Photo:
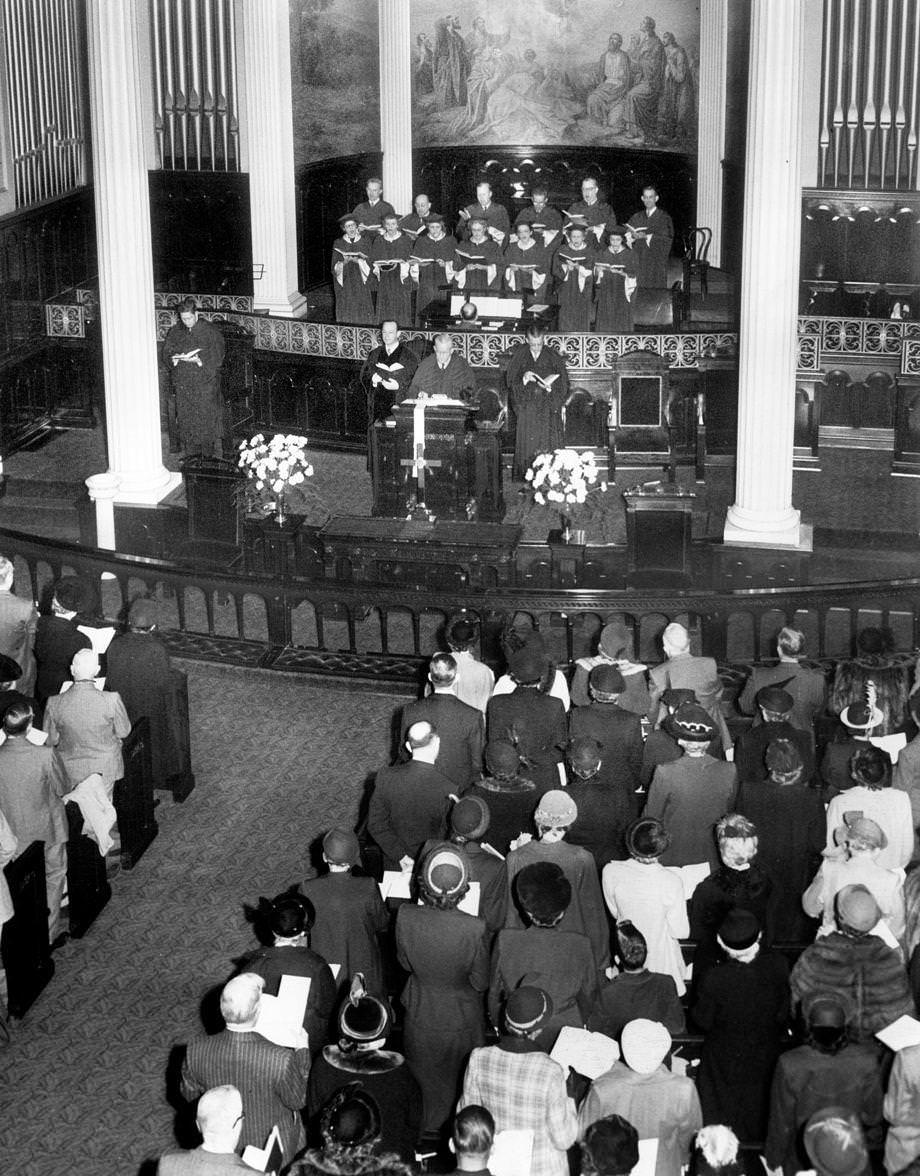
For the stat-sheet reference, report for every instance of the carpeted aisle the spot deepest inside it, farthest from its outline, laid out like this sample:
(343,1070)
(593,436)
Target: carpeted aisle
(277,761)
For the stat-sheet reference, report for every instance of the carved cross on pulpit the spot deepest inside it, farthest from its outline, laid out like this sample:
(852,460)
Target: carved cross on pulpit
(420,464)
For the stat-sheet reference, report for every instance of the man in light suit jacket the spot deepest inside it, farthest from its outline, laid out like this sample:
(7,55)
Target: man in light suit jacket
(220,1121)
(272,1079)
(461,727)
(807,686)
(88,725)
(18,619)
(683,670)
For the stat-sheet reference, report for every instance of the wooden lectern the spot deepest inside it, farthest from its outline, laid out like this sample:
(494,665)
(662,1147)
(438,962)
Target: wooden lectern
(659,518)
(455,471)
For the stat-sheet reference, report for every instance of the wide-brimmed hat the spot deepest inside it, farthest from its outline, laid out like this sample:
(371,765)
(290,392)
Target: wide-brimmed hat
(692,723)
(859,716)
(363,1017)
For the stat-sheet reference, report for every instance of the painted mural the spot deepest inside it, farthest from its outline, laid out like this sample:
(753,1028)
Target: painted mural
(335,78)
(544,72)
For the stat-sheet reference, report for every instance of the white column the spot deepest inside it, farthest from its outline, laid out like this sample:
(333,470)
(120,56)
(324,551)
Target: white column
(711,115)
(102,491)
(122,202)
(762,513)
(266,52)
(396,102)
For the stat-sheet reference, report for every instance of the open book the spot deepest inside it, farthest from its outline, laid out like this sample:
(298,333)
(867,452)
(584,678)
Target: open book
(268,1158)
(281,1017)
(591,1054)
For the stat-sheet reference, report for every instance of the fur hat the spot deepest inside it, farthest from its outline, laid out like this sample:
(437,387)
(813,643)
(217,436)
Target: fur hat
(584,752)
(739,929)
(502,759)
(526,665)
(73,594)
(543,891)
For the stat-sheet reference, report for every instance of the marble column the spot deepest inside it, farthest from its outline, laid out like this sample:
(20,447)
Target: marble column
(711,148)
(396,102)
(122,207)
(269,116)
(763,514)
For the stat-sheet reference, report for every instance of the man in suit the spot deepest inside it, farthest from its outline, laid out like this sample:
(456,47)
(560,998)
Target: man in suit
(272,1079)
(807,687)
(531,721)
(460,727)
(683,670)
(57,638)
(88,725)
(445,373)
(32,782)
(474,681)
(689,795)
(18,619)
(220,1121)
(410,801)
(618,731)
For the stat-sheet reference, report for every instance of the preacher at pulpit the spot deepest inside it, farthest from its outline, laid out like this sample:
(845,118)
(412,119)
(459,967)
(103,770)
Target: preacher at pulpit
(445,373)
(539,386)
(387,372)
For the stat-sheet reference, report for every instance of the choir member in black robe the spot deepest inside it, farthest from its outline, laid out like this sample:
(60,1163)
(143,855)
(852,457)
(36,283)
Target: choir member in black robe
(613,288)
(494,216)
(573,269)
(390,257)
(387,373)
(478,262)
(370,212)
(432,265)
(527,266)
(415,223)
(653,232)
(193,352)
(545,220)
(352,277)
(539,387)
(593,215)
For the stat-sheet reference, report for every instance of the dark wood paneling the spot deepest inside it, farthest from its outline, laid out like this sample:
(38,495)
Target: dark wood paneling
(449,176)
(202,238)
(44,250)
(326,191)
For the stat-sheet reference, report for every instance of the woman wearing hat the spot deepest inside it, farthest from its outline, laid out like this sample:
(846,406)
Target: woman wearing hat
(651,897)
(289,918)
(360,1055)
(510,794)
(615,270)
(554,816)
(57,638)
(350,1126)
(616,648)
(872,796)
(446,954)
(470,821)
(350,914)
(534,722)
(353,280)
(743,1008)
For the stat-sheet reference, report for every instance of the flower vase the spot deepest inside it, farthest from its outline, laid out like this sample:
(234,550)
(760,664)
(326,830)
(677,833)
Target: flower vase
(566,528)
(281,510)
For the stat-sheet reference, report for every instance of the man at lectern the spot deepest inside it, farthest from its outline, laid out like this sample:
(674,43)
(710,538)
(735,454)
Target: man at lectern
(539,385)
(387,372)
(445,373)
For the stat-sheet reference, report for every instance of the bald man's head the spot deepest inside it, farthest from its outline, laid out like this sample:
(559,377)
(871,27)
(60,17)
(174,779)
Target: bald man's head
(220,1118)
(85,665)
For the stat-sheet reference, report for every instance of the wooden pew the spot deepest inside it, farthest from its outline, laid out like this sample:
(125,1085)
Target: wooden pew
(24,945)
(133,796)
(87,887)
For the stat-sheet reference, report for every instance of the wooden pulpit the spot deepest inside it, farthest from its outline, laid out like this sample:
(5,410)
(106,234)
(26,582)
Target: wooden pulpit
(455,471)
(659,518)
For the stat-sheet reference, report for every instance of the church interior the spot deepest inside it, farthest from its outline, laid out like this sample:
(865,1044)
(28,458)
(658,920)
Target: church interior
(200,407)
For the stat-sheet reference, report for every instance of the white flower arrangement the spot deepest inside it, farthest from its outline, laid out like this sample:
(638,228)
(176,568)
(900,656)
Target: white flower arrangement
(273,469)
(564,477)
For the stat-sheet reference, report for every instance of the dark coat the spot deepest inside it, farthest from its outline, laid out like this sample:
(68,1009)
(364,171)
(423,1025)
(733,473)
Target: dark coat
(790,837)
(808,687)
(535,723)
(511,808)
(488,870)
(271,1079)
(637,994)
(604,815)
(750,890)
(751,747)
(619,732)
(559,962)
(274,962)
(743,1009)
(461,731)
(689,796)
(447,958)
(408,806)
(138,668)
(349,916)
(386,1077)
(56,642)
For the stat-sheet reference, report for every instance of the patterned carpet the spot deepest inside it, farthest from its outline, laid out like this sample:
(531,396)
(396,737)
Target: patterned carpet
(84,1085)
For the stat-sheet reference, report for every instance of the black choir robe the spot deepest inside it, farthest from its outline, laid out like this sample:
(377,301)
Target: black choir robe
(430,272)
(654,248)
(613,312)
(394,289)
(471,259)
(574,290)
(352,282)
(521,282)
(398,365)
(538,411)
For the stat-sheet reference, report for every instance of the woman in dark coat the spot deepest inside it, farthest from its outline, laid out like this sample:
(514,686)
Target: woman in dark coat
(790,822)
(446,955)
(743,1008)
(739,883)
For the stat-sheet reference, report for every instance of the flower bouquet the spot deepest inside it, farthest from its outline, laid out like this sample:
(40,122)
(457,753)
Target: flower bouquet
(276,483)
(570,482)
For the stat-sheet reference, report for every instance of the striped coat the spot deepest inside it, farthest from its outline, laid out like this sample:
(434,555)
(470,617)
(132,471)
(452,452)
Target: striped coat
(271,1079)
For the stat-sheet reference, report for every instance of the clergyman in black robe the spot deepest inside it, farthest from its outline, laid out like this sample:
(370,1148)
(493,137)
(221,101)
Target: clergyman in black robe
(539,387)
